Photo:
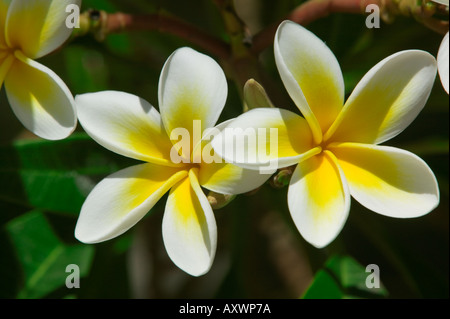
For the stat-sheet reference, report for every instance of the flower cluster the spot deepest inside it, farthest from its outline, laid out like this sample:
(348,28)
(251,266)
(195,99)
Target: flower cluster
(334,145)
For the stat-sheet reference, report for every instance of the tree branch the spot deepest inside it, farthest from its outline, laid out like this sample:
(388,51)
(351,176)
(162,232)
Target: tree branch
(313,10)
(101,24)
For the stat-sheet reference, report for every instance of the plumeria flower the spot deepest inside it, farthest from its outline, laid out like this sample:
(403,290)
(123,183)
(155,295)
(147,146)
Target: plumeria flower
(39,98)
(336,145)
(192,89)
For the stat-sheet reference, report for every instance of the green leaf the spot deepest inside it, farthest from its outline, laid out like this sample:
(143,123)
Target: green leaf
(342,277)
(55,176)
(99,5)
(43,256)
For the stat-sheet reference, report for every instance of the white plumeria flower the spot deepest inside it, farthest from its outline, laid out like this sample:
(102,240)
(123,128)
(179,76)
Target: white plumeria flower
(335,145)
(38,97)
(442,59)
(192,88)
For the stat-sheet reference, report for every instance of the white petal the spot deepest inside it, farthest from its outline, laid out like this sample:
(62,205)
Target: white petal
(189,227)
(387,99)
(192,87)
(38,27)
(227,178)
(40,99)
(442,60)
(319,199)
(125,124)
(444,2)
(311,74)
(120,200)
(388,180)
(221,177)
(263,139)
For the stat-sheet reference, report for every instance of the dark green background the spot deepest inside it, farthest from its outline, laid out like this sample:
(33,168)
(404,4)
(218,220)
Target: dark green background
(260,253)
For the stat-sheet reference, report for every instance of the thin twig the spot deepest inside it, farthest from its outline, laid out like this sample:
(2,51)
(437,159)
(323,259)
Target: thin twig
(119,21)
(305,14)
(107,23)
(313,10)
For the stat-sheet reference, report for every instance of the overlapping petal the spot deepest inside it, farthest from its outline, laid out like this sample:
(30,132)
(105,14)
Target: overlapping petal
(319,199)
(125,124)
(37,27)
(225,178)
(189,227)
(219,176)
(40,99)
(442,60)
(120,200)
(264,137)
(388,180)
(311,75)
(192,88)
(387,99)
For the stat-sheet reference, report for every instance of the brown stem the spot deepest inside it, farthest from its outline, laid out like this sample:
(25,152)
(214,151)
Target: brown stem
(120,22)
(436,25)
(313,10)
(308,12)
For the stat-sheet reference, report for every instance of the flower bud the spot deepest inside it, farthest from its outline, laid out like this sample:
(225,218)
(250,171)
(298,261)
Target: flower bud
(218,201)
(255,96)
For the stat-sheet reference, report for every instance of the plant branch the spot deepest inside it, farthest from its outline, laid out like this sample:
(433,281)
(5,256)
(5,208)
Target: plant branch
(100,24)
(313,10)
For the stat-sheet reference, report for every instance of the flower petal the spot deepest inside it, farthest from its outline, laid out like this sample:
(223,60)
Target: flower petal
(40,99)
(319,199)
(442,59)
(189,227)
(444,2)
(4,5)
(311,75)
(387,99)
(192,87)
(264,138)
(38,27)
(227,178)
(388,180)
(125,124)
(120,200)
(221,177)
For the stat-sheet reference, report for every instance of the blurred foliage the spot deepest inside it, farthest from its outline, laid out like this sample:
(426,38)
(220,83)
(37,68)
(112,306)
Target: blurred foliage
(342,277)
(260,252)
